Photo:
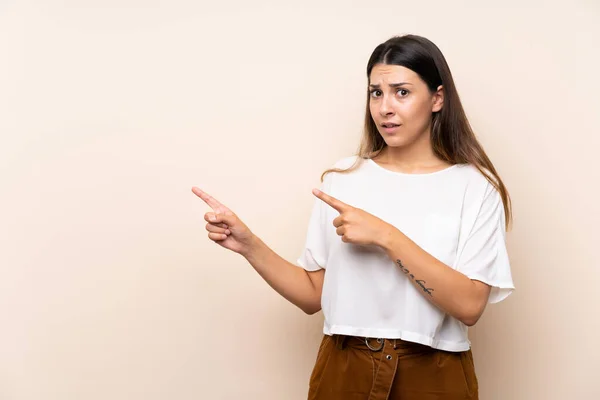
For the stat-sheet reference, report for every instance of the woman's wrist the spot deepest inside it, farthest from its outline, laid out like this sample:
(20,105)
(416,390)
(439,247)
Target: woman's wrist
(252,247)
(389,238)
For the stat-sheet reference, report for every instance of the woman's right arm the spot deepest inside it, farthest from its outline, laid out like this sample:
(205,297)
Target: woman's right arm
(300,287)
(294,283)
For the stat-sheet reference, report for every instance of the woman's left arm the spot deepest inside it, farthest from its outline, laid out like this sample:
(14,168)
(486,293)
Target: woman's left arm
(450,290)
(459,292)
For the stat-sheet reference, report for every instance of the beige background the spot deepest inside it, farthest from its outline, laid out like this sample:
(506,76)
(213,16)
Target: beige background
(111,110)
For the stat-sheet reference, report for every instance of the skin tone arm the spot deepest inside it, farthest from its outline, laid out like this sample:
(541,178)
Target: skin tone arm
(448,289)
(302,288)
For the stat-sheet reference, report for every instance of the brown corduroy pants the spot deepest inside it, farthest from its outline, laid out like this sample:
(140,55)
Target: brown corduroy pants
(352,368)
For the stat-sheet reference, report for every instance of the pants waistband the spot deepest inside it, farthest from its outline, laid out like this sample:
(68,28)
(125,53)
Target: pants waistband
(378,344)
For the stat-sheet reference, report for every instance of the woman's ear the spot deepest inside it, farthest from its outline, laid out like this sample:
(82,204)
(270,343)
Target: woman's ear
(438,99)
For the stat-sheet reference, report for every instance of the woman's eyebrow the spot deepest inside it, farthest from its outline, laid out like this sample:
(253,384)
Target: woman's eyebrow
(374,86)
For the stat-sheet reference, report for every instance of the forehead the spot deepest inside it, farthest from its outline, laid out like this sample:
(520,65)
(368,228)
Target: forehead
(385,73)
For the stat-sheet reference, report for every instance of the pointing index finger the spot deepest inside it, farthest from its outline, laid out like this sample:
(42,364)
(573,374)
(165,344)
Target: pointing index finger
(332,201)
(208,199)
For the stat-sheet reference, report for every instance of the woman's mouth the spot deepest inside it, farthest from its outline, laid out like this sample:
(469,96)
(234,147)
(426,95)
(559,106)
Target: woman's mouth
(390,127)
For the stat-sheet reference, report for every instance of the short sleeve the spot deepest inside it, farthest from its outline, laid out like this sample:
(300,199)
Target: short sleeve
(483,256)
(314,254)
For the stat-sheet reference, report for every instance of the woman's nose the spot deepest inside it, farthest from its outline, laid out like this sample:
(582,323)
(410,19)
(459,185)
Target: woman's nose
(386,108)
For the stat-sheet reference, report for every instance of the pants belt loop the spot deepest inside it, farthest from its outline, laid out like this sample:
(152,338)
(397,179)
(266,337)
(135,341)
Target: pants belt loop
(340,341)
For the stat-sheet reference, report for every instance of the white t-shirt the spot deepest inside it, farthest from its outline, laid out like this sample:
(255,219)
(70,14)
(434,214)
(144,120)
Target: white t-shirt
(454,214)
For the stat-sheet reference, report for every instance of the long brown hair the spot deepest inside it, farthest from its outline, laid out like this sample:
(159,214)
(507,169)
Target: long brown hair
(452,137)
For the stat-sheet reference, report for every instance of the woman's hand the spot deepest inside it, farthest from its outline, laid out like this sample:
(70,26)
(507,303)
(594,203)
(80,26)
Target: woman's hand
(355,225)
(224,227)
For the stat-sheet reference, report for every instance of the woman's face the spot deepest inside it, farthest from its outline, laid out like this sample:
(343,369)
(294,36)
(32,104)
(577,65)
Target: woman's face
(401,104)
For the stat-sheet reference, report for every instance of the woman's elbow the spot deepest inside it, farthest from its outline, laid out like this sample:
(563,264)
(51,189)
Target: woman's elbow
(470,320)
(475,306)
(471,315)
(311,309)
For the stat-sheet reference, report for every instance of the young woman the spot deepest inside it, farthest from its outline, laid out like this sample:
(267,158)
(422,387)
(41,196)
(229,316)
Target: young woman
(405,243)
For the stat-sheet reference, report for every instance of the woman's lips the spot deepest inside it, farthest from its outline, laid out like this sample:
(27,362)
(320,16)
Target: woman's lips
(390,128)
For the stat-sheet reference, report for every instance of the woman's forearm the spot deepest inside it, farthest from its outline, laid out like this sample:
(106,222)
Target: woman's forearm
(450,290)
(289,280)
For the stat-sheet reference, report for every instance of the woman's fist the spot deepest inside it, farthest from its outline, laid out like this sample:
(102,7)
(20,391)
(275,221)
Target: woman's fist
(224,227)
(355,225)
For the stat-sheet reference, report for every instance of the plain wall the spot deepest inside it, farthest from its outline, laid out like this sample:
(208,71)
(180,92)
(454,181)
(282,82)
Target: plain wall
(110,111)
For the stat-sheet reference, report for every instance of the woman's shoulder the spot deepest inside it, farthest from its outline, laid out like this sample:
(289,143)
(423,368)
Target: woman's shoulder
(474,174)
(478,188)
(345,162)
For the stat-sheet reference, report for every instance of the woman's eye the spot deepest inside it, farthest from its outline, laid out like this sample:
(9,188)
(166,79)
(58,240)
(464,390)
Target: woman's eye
(375,93)
(402,92)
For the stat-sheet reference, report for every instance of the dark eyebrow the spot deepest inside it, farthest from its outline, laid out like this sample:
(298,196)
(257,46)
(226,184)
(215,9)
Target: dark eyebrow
(394,85)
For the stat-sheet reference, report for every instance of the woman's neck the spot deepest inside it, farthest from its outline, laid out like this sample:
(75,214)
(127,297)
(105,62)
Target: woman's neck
(410,160)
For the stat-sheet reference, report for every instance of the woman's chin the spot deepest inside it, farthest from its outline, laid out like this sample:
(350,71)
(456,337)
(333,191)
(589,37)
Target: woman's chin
(395,141)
